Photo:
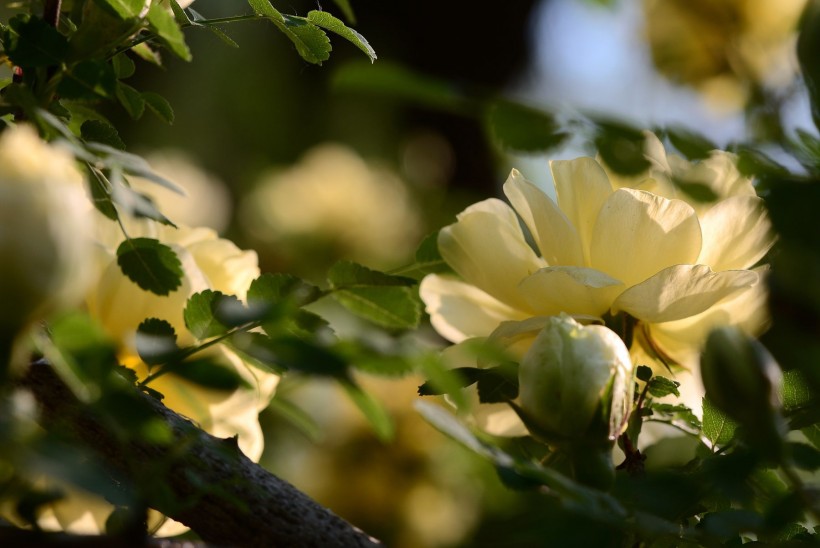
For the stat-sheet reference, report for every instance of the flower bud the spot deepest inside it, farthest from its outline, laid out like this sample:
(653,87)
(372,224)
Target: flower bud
(44,229)
(743,380)
(576,382)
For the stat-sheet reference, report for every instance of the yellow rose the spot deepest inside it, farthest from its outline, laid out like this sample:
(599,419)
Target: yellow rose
(120,306)
(604,249)
(44,229)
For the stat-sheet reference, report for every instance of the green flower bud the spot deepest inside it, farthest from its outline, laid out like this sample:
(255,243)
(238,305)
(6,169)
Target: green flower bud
(576,383)
(743,380)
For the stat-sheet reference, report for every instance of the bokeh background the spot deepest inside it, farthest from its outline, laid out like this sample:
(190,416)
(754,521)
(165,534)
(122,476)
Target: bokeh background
(280,157)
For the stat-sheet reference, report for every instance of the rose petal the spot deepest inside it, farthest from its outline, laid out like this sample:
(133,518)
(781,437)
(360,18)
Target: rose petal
(552,231)
(582,187)
(681,291)
(487,248)
(572,290)
(747,310)
(460,311)
(736,233)
(638,234)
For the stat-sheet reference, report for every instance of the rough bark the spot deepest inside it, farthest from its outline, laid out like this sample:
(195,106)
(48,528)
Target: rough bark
(243,504)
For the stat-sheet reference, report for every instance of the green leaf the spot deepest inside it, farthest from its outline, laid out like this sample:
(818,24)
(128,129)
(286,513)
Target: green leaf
(209,374)
(84,354)
(521,128)
(498,384)
(257,350)
(328,22)
(100,196)
(350,274)
(795,391)
(661,386)
(428,260)
(364,356)
(124,67)
(200,314)
(311,42)
(156,341)
(700,192)
(125,9)
(89,80)
(718,428)
(273,288)
(101,132)
(307,357)
(621,147)
(150,264)
(131,164)
(179,14)
(461,378)
(131,100)
(386,300)
(396,81)
(159,106)
(31,42)
(692,145)
(374,412)
(676,414)
(227,40)
(165,26)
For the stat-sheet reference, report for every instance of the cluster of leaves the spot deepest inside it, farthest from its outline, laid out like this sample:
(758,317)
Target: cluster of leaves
(66,63)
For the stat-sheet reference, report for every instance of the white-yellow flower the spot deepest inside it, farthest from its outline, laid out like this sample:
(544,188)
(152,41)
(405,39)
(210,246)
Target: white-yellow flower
(333,197)
(606,247)
(208,262)
(44,229)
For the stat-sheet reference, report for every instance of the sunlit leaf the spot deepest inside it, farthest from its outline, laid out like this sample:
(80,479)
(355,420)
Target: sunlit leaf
(200,314)
(661,386)
(718,428)
(389,301)
(150,264)
(428,260)
(311,42)
(329,22)
(165,26)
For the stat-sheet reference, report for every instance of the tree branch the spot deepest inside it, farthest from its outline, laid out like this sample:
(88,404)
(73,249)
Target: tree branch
(242,503)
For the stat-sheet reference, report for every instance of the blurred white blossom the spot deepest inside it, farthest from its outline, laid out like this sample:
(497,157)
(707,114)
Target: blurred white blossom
(334,198)
(44,229)
(206,202)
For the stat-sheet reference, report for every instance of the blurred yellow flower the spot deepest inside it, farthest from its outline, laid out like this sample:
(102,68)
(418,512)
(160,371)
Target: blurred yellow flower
(206,202)
(333,198)
(120,306)
(722,47)
(44,229)
(675,268)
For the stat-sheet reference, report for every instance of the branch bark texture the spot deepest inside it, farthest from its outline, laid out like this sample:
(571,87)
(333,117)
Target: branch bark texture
(227,499)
